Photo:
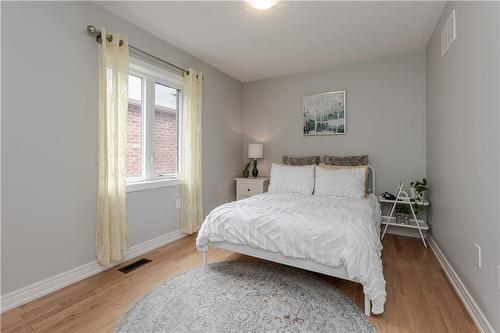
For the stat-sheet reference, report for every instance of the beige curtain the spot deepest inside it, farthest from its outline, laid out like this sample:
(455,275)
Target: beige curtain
(111,229)
(191,140)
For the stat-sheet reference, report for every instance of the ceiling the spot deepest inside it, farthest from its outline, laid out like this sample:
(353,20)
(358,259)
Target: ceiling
(291,37)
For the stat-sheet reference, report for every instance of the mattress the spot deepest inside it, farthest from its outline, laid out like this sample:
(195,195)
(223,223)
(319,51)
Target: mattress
(328,230)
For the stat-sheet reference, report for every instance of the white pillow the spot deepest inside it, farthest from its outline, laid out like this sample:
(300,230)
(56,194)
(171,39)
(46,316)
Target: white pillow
(348,183)
(291,179)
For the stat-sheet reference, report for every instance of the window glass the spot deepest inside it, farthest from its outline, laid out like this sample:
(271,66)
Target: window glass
(134,127)
(165,130)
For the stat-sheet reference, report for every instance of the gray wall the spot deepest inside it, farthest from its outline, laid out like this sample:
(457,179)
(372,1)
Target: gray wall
(463,147)
(385,115)
(49,139)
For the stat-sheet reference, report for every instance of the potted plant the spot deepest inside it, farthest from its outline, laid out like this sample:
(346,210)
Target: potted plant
(417,191)
(402,213)
(246,172)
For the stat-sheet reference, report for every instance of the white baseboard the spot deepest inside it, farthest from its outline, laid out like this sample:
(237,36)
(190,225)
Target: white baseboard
(38,289)
(474,311)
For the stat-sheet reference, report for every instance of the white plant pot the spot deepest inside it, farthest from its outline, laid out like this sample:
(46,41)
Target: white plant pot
(413,194)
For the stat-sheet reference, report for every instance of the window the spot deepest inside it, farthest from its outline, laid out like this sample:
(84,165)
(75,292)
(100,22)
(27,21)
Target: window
(152,124)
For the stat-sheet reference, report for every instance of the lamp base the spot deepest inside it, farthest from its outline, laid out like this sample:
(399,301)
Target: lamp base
(255,172)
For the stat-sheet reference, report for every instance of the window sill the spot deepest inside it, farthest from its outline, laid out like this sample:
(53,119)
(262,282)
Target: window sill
(152,184)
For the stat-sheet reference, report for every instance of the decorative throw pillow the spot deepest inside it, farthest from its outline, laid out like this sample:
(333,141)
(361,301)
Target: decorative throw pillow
(291,179)
(307,160)
(347,160)
(347,183)
(338,167)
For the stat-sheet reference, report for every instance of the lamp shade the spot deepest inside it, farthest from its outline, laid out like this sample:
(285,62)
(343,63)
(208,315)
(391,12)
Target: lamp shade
(255,150)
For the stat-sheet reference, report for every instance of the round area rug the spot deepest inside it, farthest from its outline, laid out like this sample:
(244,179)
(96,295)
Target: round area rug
(245,296)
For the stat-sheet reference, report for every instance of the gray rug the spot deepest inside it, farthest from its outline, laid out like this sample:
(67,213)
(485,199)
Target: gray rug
(245,296)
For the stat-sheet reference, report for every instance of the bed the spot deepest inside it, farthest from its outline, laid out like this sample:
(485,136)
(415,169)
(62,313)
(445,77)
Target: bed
(330,235)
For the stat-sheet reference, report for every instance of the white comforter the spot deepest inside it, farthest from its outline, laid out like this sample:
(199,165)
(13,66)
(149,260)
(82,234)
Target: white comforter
(328,230)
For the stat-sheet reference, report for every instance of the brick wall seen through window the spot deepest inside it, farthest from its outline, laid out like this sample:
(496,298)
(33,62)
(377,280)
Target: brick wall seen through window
(165,143)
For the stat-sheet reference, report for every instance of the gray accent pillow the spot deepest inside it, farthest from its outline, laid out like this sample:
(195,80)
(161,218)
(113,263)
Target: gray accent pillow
(307,160)
(347,160)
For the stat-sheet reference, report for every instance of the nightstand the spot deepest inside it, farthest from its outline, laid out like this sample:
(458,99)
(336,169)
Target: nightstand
(246,187)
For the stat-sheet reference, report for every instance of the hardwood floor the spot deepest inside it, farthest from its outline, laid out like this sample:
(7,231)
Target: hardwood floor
(419,297)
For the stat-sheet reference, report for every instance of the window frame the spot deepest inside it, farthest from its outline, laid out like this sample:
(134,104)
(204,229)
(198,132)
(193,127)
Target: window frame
(151,75)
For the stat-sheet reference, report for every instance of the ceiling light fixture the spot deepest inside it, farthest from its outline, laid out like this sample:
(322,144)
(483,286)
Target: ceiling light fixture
(263,4)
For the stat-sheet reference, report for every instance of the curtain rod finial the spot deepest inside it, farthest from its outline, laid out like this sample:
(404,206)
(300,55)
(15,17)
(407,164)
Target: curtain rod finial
(91,29)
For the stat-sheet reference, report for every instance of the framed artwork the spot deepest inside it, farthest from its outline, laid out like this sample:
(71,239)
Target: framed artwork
(324,113)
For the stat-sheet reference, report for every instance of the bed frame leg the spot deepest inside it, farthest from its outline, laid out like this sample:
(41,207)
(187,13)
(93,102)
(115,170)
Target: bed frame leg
(367,306)
(205,258)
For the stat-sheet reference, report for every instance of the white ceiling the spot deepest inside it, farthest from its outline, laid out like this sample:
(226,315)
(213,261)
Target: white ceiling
(251,44)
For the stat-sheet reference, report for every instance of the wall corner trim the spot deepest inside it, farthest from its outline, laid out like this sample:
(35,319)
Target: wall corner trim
(470,304)
(38,289)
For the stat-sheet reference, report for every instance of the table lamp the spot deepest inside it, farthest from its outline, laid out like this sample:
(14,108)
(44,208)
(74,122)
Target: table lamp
(255,151)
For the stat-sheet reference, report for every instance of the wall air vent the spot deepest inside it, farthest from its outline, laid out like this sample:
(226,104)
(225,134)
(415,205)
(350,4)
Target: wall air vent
(448,34)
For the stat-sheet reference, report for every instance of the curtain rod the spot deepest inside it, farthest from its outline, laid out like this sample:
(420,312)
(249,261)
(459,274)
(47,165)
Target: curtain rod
(95,32)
